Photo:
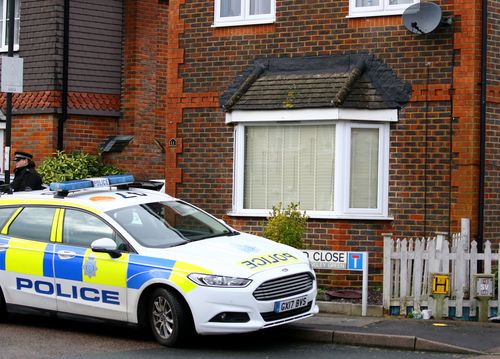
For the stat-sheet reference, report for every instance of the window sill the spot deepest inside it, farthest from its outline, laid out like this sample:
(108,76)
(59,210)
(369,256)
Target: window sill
(317,215)
(243,23)
(375,13)
(5,49)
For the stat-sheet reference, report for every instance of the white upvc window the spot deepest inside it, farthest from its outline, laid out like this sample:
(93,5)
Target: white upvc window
(4,24)
(359,8)
(336,167)
(244,12)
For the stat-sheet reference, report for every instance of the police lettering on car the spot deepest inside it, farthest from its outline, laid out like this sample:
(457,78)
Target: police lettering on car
(84,293)
(103,248)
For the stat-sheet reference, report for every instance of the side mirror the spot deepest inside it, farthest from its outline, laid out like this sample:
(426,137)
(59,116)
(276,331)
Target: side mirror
(105,245)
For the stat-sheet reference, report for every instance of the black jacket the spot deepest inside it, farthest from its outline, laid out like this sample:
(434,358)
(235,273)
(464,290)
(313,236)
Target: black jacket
(26,179)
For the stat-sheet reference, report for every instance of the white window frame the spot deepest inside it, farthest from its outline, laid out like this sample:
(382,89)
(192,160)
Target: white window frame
(345,120)
(384,9)
(245,18)
(4,45)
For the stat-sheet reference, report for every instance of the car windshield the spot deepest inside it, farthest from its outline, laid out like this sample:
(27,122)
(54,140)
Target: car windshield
(168,224)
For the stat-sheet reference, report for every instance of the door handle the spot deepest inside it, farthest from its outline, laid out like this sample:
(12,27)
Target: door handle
(66,254)
(4,247)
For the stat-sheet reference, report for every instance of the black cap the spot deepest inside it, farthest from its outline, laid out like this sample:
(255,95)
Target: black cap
(19,155)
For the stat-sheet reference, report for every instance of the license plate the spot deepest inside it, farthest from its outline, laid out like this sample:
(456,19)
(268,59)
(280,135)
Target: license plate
(286,305)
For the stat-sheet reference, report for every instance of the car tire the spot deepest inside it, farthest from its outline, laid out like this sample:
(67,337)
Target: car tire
(169,318)
(3,309)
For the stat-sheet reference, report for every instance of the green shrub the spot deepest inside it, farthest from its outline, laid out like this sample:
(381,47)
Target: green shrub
(286,225)
(72,166)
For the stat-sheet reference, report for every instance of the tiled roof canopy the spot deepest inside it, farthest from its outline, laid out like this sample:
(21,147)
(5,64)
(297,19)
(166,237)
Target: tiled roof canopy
(349,81)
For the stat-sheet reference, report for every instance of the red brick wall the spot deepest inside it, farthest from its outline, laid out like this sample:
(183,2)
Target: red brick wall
(419,173)
(38,134)
(35,134)
(205,60)
(176,65)
(143,96)
(87,133)
(206,160)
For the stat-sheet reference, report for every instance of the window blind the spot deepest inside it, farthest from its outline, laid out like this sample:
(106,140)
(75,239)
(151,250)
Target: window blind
(364,167)
(289,164)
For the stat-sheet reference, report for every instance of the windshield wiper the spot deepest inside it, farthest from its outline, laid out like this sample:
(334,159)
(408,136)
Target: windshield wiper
(228,234)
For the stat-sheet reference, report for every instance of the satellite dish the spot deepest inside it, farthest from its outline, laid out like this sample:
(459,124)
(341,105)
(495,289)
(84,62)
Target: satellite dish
(422,18)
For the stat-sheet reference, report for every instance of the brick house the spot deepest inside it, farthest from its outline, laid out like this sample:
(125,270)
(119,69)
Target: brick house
(241,104)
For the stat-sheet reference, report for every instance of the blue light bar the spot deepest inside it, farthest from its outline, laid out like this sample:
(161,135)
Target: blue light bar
(104,181)
(120,179)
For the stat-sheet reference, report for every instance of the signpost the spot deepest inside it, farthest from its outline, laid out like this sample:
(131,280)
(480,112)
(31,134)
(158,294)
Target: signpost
(341,260)
(8,113)
(440,289)
(483,291)
(12,74)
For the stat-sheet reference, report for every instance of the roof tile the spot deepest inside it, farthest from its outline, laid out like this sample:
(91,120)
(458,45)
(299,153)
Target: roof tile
(353,81)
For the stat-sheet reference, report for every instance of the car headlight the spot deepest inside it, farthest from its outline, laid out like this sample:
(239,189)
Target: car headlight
(212,280)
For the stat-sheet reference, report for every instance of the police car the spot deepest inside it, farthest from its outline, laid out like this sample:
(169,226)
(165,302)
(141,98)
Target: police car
(102,249)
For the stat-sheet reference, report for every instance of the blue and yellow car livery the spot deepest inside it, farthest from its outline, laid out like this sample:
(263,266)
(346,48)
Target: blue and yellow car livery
(205,275)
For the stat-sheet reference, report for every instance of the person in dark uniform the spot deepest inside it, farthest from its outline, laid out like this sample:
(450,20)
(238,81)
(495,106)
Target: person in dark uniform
(26,178)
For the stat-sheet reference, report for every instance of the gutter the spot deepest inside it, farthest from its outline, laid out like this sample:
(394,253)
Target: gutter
(64,93)
(482,128)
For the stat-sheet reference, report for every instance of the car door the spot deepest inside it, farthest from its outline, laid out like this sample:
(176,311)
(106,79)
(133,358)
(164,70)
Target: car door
(89,283)
(26,257)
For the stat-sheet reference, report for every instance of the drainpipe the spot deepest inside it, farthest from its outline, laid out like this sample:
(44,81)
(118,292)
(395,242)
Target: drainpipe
(482,142)
(450,138)
(64,93)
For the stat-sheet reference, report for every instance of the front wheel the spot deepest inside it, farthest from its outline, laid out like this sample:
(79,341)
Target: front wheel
(169,318)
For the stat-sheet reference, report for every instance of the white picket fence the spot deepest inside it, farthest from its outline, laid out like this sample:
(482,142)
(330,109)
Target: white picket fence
(410,263)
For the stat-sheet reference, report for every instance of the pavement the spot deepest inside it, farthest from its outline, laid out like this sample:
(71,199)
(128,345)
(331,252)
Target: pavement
(450,336)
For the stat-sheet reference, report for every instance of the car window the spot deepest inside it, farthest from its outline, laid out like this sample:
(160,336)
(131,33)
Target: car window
(147,229)
(5,214)
(81,229)
(166,224)
(33,223)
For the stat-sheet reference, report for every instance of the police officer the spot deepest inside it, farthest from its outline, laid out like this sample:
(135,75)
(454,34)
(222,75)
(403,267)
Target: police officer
(25,176)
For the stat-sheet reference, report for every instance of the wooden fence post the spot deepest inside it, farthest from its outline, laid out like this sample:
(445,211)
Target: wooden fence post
(417,272)
(403,284)
(473,257)
(387,280)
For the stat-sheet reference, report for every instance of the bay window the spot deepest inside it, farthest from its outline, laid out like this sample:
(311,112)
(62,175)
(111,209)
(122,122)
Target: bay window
(335,168)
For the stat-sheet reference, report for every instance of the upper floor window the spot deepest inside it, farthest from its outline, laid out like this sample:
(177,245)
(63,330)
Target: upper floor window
(378,7)
(4,24)
(244,12)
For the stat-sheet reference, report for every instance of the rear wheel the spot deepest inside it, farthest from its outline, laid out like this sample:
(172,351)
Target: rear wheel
(169,318)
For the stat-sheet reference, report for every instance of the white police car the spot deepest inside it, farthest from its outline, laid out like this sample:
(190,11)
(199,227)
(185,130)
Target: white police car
(98,248)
